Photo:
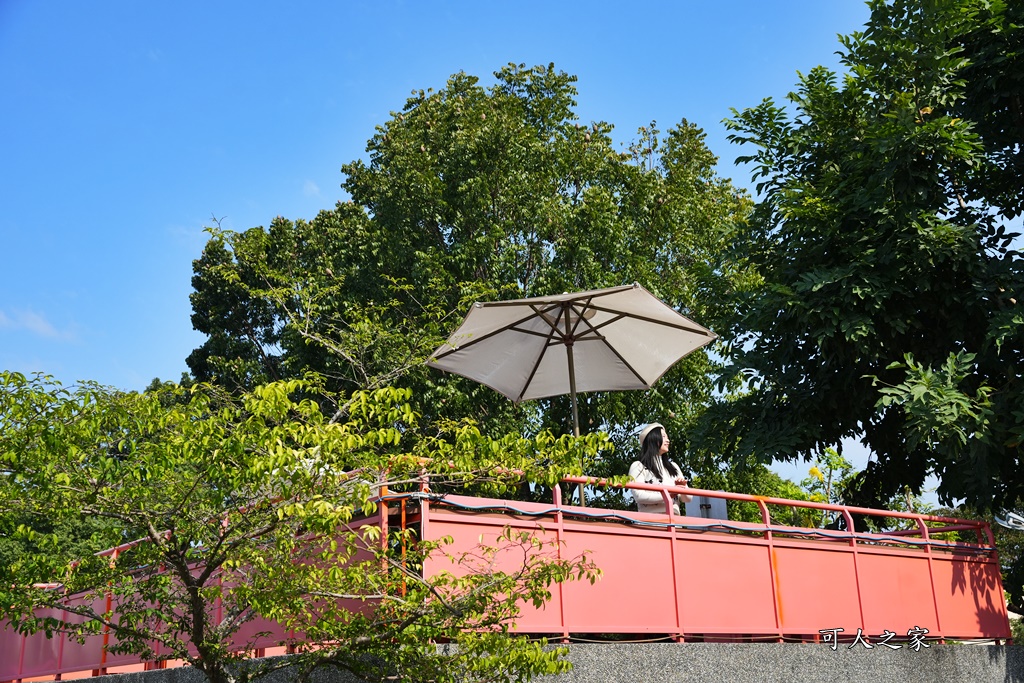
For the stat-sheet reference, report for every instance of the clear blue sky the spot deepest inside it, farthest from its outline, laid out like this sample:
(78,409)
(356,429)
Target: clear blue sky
(128,125)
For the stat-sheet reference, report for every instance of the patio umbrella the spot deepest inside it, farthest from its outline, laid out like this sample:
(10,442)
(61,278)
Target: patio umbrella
(611,339)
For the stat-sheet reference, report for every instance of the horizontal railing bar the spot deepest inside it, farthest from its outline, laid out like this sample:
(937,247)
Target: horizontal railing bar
(456,502)
(745,497)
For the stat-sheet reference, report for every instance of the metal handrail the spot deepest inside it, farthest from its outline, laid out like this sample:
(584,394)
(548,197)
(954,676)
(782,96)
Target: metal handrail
(981,528)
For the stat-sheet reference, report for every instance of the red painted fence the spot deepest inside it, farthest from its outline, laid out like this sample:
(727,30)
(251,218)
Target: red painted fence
(721,580)
(687,577)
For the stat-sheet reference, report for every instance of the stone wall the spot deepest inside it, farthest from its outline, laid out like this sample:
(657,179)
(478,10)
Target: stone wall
(764,663)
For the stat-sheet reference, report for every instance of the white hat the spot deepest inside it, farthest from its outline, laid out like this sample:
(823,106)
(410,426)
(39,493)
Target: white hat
(648,429)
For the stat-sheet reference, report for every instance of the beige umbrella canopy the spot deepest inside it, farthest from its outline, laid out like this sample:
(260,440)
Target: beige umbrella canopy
(602,340)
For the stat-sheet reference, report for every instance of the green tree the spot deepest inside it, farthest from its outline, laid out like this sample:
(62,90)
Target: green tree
(756,479)
(891,306)
(234,508)
(475,192)
(827,477)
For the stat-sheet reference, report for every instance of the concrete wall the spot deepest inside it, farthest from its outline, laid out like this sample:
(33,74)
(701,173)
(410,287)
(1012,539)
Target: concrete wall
(767,663)
(783,663)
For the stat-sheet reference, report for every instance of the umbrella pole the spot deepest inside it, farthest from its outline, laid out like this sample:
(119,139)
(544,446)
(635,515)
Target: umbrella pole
(575,415)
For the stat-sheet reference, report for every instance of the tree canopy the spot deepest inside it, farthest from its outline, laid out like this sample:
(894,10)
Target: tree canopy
(891,306)
(474,192)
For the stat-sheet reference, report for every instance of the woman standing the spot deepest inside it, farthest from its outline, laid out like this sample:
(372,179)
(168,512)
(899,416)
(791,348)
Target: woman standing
(654,467)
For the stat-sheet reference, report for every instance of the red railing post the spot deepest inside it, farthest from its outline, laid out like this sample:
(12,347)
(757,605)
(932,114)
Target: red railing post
(556,498)
(923,527)
(102,670)
(856,567)
(670,508)
(404,538)
(60,645)
(773,568)
(382,508)
(21,657)
(424,505)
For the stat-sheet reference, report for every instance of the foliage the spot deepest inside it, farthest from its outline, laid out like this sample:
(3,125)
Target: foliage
(1010,544)
(827,478)
(76,538)
(891,306)
(753,479)
(1017,630)
(474,192)
(233,509)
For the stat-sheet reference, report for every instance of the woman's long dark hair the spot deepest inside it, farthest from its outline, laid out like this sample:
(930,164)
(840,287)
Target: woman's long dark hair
(653,460)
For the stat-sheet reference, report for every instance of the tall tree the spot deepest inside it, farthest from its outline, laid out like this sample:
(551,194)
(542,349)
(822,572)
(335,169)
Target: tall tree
(891,305)
(474,192)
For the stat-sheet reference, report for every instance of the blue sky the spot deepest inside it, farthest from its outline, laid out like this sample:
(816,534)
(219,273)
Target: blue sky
(129,125)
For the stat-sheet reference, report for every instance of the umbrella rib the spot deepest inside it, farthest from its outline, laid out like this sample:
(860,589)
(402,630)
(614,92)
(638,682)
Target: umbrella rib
(535,333)
(479,381)
(685,328)
(488,335)
(536,364)
(626,363)
(543,313)
(597,336)
(594,328)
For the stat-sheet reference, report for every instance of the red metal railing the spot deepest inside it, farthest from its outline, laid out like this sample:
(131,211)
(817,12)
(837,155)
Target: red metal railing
(684,577)
(720,580)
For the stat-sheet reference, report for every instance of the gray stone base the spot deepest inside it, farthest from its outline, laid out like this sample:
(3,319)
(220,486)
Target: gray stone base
(786,663)
(761,662)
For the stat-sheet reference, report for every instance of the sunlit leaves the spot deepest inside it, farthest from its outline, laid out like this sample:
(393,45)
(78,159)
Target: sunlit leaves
(249,506)
(879,235)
